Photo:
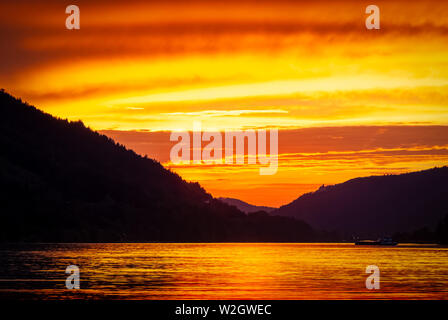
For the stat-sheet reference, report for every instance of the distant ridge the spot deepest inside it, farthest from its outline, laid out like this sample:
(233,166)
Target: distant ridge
(63,182)
(244,206)
(376,205)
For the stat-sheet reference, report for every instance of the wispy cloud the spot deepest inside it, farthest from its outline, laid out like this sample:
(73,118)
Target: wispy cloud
(160,65)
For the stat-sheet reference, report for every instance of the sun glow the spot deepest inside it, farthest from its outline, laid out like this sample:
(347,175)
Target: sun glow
(149,67)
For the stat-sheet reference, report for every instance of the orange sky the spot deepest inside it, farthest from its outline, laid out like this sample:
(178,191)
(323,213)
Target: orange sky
(348,101)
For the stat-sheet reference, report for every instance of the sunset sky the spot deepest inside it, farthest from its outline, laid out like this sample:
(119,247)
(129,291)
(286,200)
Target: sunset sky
(347,101)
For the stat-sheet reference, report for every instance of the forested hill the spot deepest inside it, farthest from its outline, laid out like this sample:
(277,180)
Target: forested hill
(62,182)
(376,205)
(244,206)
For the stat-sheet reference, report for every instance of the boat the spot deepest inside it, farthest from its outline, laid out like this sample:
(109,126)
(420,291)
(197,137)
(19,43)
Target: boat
(379,242)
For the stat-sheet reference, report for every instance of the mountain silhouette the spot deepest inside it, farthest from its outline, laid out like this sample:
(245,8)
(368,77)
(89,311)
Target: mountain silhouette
(377,205)
(63,182)
(244,206)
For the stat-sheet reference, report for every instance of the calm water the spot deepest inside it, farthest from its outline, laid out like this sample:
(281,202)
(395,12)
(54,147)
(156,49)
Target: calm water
(223,271)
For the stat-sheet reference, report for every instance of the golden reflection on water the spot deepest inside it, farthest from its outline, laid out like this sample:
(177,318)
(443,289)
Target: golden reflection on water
(223,271)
